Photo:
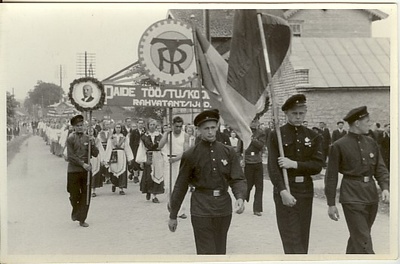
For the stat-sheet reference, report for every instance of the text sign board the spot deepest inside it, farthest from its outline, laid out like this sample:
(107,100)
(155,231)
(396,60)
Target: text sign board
(166,96)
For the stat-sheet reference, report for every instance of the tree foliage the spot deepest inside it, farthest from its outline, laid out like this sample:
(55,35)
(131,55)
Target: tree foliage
(44,94)
(11,105)
(150,112)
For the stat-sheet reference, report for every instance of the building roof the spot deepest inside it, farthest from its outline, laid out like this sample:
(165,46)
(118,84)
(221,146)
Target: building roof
(343,62)
(375,13)
(221,20)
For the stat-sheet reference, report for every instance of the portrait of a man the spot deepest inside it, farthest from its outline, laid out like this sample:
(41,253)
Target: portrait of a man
(87,93)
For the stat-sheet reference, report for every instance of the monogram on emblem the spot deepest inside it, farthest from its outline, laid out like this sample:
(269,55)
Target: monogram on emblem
(166,52)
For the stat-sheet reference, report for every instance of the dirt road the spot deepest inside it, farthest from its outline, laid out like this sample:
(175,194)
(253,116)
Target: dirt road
(129,227)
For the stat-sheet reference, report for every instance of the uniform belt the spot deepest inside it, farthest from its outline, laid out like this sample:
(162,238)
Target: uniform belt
(299,178)
(358,178)
(215,193)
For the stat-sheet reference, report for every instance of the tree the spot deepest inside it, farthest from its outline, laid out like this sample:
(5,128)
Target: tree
(156,113)
(44,94)
(11,105)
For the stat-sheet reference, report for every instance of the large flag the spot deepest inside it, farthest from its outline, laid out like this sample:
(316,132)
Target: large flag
(238,90)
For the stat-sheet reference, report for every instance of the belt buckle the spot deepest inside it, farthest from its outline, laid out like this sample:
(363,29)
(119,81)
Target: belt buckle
(299,179)
(366,179)
(216,193)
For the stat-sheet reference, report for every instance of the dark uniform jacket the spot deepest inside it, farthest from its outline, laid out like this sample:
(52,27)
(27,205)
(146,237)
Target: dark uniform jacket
(207,167)
(253,153)
(77,151)
(355,156)
(336,134)
(299,144)
(134,140)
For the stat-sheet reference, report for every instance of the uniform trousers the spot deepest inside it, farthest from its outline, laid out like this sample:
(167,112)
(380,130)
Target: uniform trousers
(210,234)
(294,224)
(77,188)
(359,218)
(254,177)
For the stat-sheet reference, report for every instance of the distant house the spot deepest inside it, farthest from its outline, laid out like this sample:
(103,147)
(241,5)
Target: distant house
(334,61)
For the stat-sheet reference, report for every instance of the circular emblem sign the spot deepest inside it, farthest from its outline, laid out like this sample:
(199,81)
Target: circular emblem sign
(86,94)
(166,52)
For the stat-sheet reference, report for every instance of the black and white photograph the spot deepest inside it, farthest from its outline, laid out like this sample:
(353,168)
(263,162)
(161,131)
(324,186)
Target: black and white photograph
(188,132)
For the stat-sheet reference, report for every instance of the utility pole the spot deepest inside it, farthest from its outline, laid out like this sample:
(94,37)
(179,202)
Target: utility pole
(86,64)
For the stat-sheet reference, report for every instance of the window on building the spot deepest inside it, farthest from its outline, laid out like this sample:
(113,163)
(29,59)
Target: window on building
(296,27)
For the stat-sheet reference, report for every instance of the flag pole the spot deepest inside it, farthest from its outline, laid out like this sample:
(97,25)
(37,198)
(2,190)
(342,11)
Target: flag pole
(199,78)
(170,153)
(89,154)
(275,108)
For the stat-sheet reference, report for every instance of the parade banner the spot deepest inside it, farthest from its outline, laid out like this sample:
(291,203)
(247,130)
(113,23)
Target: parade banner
(164,96)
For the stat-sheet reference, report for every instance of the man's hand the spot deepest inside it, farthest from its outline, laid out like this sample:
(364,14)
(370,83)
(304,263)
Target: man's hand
(385,196)
(172,224)
(287,163)
(333,213)
(87,167)
(173,159)
(288,199)
(239,206)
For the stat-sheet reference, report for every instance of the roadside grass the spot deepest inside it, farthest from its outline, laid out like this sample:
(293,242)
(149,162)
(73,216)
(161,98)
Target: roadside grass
(14,146)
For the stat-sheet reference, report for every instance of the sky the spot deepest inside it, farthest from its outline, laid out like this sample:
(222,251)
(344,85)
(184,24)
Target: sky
(35,39)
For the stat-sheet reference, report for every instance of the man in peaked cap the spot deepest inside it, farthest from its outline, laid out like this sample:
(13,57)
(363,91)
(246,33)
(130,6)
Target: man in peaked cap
(302,158)
(339,132)
(210,167)
(78,166)
(358,158)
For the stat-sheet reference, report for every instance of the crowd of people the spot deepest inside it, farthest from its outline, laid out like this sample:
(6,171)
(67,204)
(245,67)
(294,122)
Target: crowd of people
(21,126)
(200,162)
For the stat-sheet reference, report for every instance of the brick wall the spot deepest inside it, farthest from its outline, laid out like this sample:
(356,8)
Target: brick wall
(334,23)
(332,106)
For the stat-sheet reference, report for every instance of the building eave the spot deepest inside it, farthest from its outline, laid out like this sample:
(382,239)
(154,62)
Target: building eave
(310,88)
(376,14)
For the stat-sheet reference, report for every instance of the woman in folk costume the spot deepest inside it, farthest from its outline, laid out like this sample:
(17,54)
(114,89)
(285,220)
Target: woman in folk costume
(97,164)
(104,134)
(63,139)
(117,154)
(152,182)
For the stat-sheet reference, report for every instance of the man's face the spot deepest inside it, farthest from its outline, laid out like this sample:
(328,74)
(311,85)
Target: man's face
(296,115)
(128,122)
(140,124)
(87,91)
(208,130)
(363,125)
(177,127)
(321,125)
(134,126)
(106,125)
(79,127)
(152,126)
(340,125)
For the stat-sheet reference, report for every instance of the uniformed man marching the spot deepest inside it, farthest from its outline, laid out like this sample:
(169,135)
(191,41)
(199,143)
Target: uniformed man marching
(303,158)
(211,167)
(78,168)
(358,158)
